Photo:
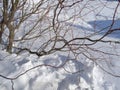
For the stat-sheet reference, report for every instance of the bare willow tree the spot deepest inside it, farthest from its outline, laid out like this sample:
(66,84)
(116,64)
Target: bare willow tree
(46,22)
(14,13)
(47,26)
(43,27)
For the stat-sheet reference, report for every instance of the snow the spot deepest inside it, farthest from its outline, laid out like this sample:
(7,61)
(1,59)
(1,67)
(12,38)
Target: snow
(30,72)
(44,77)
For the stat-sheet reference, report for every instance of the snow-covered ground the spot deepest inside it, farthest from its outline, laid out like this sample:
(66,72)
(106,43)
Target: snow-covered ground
(59,71)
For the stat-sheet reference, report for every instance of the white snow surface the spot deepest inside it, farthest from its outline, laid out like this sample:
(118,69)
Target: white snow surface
(46,75)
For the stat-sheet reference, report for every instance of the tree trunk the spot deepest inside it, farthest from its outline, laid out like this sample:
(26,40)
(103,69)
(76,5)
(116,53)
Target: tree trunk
(11,39)
(1,32)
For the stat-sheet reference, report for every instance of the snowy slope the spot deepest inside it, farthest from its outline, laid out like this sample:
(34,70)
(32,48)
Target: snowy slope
(44,77)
